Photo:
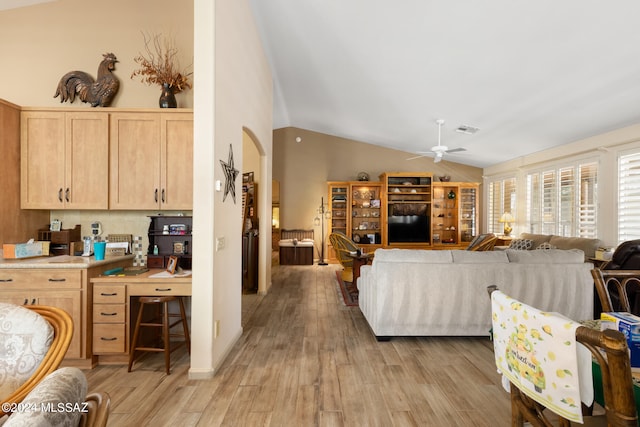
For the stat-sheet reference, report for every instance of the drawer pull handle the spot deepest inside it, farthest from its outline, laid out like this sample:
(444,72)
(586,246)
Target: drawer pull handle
(108,314)
(26,301)
(163,290)
(108,339)
(156,196)
(60,194)
(58,280)
(66,194)
(33,301)
(108,295)
(163,195)
(6,280)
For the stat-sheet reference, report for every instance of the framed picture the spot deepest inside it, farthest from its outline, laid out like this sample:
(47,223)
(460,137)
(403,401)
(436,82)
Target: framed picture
(172,264)
(178,248)
(55,225)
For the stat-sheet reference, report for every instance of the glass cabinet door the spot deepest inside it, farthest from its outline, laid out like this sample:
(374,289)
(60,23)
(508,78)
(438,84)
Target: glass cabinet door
(468,212)
(338,197)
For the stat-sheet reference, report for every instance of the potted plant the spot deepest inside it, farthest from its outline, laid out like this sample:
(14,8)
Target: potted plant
(160,66)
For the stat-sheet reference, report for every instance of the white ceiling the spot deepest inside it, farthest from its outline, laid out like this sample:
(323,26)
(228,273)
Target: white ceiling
(530,74)
(13,4)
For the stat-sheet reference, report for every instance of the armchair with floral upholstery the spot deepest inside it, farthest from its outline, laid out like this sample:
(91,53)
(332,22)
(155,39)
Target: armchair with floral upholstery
(33,342)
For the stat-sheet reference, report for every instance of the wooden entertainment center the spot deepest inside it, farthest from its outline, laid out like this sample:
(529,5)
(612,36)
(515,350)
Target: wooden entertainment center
(404,210)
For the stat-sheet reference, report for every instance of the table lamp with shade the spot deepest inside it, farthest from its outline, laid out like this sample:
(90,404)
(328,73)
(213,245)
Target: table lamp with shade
(507,219)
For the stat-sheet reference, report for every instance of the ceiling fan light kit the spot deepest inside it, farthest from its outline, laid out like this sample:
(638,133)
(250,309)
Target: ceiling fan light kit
(439,150)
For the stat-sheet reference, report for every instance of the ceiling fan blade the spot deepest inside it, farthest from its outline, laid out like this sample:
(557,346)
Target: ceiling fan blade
(455,150)
(416,157)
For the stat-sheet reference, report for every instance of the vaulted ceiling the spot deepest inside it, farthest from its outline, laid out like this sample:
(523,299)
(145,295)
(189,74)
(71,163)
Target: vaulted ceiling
(529,75)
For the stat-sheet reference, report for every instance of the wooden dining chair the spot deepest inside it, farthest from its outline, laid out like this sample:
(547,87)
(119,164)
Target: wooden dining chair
(62,325)
(618,290)
(609,349)
(483,242)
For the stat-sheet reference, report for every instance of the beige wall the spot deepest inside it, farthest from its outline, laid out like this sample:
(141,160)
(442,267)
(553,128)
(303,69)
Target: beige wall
(41,43)
(303,169)
(237,101)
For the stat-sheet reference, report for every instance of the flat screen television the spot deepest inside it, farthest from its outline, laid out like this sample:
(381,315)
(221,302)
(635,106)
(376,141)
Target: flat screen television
(408,229)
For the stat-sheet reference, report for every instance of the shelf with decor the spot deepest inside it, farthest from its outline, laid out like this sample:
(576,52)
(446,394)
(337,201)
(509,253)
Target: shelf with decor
(366,214)
(338,207)
(406,209)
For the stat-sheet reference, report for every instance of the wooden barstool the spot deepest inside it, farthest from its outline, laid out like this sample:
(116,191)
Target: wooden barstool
(160,321)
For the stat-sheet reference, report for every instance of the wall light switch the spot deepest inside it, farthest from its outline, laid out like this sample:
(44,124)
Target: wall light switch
(219,243)
(218,185)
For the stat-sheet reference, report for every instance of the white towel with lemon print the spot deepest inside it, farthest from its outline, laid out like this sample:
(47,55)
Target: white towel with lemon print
(538,352)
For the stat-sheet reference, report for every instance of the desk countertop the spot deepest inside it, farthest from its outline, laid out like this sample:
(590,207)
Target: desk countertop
(60,262)
(142,278)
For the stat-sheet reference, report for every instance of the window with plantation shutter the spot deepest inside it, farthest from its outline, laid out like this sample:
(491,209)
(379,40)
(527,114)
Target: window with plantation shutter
(502,198)
(629,197)
(562,201)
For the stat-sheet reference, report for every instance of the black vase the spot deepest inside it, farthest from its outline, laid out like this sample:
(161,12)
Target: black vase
(167,97)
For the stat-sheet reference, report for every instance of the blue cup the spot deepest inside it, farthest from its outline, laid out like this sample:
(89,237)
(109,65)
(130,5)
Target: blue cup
(99,249)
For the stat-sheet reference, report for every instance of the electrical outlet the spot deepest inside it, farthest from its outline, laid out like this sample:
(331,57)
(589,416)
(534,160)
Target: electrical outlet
(219,243)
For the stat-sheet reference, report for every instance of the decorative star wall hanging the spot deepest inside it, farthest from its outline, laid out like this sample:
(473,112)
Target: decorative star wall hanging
(230,174)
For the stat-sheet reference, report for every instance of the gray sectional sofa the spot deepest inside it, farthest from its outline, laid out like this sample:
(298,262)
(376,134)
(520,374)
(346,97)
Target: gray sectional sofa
(429,293)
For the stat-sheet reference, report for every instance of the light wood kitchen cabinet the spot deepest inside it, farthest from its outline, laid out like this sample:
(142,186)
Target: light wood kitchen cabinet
(64,159)
(151,159)
(52,287)
(17,225)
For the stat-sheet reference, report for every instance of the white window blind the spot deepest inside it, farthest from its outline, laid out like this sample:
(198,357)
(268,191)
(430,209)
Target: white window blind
(562,201)
(629,197)
(502,198)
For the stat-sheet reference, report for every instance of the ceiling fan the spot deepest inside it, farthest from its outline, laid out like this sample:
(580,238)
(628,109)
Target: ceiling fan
(439,150)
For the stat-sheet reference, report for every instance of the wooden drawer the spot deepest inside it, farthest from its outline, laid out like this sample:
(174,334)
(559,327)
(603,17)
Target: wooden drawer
(38,278)
(109,294)
(109,313)
(109,338)
(155,261)
(158,289)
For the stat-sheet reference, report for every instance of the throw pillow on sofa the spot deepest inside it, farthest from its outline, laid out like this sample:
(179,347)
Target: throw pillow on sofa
(545,246)
(521,244)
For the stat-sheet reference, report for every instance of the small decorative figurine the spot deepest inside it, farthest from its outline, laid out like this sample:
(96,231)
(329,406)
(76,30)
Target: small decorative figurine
(99,92)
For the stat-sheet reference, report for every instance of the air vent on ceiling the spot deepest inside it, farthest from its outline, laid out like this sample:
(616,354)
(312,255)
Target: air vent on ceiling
(469,130)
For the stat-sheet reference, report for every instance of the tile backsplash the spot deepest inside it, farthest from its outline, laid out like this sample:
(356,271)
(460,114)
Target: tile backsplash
(135,223)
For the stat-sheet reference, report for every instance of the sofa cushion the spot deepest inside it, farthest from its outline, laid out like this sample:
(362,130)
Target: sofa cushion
(482,257)
(538,239)
(413,255)
(521,244)
(588,246)
(550,256)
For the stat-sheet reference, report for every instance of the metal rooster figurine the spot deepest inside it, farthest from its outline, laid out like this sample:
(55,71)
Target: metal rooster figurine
(97,93)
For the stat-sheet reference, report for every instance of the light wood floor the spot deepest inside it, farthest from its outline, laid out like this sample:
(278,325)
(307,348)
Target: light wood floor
(305,359)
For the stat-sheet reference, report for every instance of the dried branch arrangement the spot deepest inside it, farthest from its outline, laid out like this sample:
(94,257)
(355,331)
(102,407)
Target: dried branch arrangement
(160,64)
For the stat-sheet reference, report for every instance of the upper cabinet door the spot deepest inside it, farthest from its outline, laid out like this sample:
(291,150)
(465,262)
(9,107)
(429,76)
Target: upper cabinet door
(87,161)
(42,160)
(176,160)
(135,161)
(64,160)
